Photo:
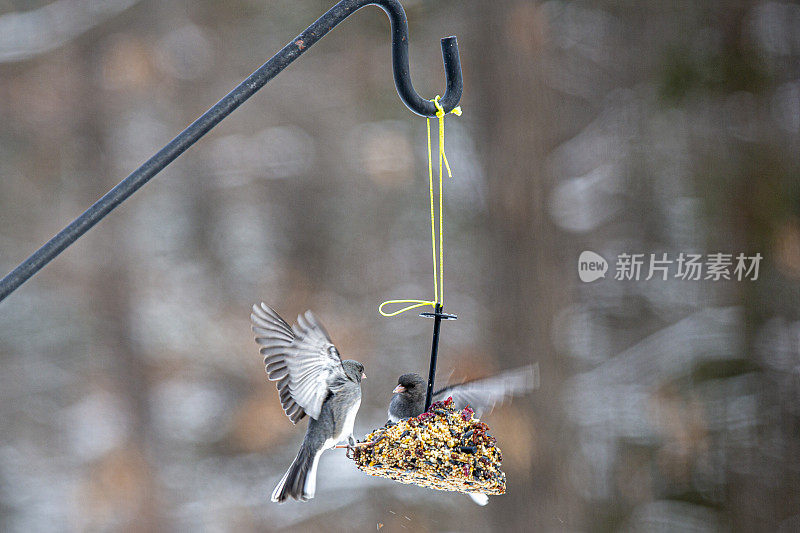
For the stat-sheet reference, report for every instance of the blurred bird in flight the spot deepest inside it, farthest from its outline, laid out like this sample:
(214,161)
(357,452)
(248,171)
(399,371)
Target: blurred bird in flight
(482,395)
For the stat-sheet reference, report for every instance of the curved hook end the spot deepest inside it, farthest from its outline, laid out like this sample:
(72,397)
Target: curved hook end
(452,70)
(402,78)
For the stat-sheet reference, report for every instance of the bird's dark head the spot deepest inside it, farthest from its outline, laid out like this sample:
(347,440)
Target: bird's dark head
(354,370)
(410,383)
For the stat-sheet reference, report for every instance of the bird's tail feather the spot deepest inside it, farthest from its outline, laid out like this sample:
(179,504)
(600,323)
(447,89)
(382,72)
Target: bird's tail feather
(299,482)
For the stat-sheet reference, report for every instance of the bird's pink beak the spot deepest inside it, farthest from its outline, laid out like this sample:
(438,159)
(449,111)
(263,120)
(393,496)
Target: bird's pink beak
(363,376)
(399,389)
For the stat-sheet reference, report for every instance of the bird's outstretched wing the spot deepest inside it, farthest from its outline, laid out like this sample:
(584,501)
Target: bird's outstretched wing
(482,395)
(301,358)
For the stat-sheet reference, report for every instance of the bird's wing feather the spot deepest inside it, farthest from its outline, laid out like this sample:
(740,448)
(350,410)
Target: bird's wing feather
(483,395)
(301,358)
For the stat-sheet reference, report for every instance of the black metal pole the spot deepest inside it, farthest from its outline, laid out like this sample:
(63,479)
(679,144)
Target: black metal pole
(223,108)
(437,322)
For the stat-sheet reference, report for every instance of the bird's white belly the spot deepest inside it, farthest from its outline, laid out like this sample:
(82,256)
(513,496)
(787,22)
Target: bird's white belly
(349,422)
(347,430)
(347,427)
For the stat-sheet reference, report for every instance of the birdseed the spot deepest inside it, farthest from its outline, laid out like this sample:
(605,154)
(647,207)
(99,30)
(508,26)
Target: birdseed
(443,448)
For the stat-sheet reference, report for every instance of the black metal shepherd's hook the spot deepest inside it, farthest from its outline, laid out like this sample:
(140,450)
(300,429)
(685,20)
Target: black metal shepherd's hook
(234,99)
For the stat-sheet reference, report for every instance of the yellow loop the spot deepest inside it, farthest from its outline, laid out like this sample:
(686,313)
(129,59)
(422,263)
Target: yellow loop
(438,274)
(415,304)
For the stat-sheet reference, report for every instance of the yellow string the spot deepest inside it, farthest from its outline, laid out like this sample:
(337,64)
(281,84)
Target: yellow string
(438,277)
(433,224)
(415,304)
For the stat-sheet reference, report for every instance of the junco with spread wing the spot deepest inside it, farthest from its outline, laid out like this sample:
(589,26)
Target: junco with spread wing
(482,395)
(312,380)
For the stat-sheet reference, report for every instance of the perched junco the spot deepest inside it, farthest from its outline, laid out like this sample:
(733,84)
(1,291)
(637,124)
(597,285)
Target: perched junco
(312,380)
(408,398)
(482,395)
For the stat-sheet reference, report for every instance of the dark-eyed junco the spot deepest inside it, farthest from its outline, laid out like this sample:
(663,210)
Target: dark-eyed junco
(312,380)
(408,398)
(482,395)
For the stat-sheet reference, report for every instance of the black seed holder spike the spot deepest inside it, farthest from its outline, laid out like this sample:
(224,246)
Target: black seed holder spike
(438,315)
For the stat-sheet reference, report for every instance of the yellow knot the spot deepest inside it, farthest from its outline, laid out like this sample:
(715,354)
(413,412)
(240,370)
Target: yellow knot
(440,110)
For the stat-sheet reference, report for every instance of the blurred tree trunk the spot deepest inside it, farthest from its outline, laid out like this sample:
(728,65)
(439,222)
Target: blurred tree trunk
(517,119)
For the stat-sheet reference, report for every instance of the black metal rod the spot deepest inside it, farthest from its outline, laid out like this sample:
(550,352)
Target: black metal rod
(437,322)
(235,98)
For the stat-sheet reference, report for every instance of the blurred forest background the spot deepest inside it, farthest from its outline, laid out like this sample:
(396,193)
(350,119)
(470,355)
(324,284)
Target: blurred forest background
(132,395)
